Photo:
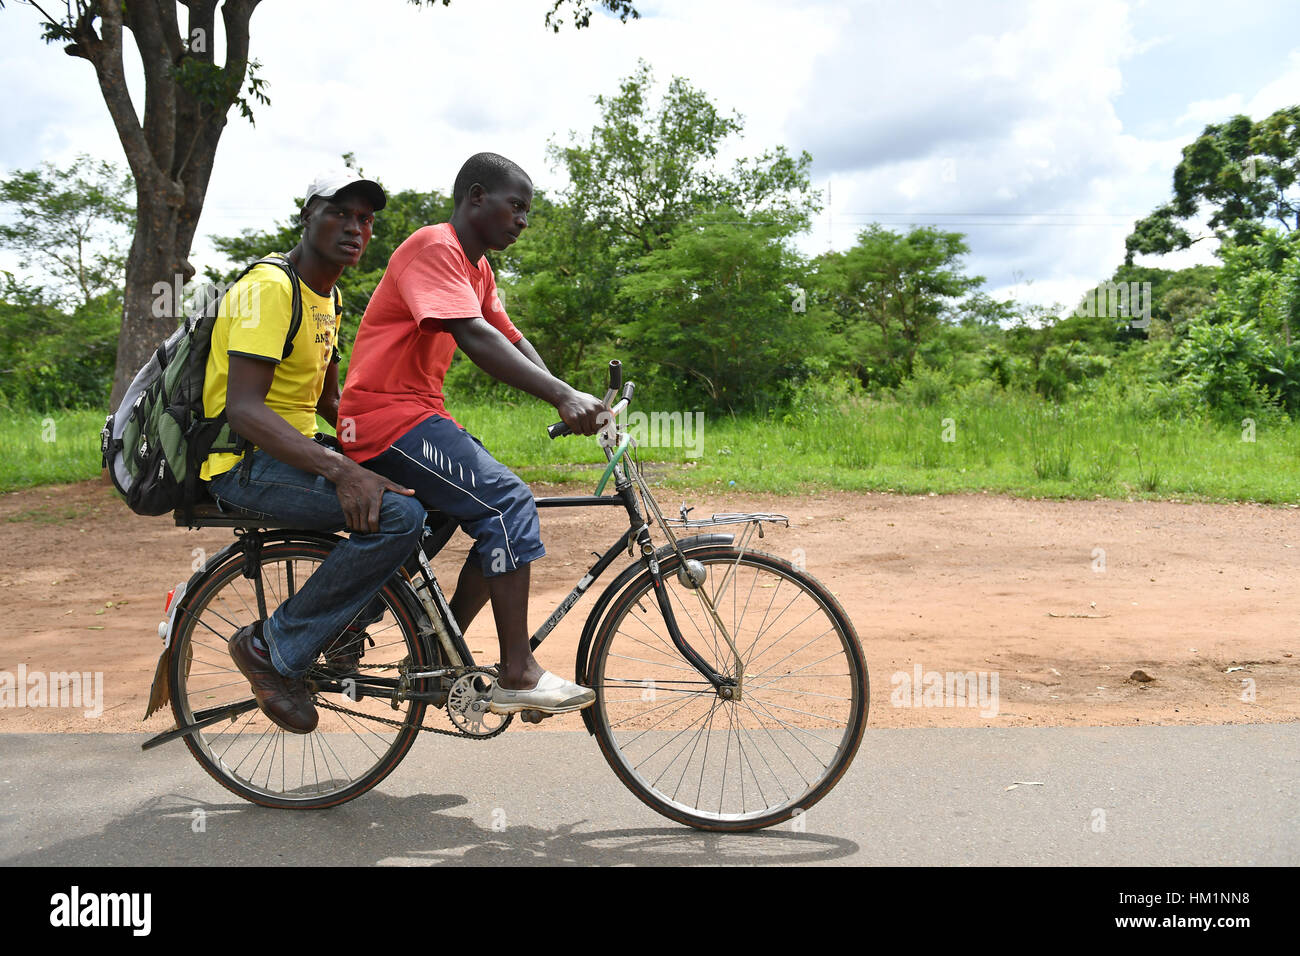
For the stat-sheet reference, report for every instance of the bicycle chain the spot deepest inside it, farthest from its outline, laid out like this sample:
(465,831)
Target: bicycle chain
(432,730)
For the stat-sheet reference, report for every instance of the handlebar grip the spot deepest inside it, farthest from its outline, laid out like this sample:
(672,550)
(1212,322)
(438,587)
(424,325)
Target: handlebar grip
(558,430)
(615,375)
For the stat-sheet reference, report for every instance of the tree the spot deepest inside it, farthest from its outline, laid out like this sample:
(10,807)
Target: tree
(71,223)
(644,171)
(900,284)
(52,357)
(716,311)
(1260,284)
(562,279)
(171,144)
(1242,171)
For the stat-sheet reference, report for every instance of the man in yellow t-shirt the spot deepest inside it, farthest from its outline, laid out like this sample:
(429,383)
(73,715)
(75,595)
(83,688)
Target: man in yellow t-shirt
(272,399)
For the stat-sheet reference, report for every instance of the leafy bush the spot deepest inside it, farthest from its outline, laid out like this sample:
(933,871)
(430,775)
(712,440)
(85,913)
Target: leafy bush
(55,359)
(925,387)
(1224,366)
(1064,366)
(826,394)
(713,315)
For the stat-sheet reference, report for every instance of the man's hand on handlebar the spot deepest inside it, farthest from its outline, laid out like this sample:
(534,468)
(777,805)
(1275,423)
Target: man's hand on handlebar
(584,414)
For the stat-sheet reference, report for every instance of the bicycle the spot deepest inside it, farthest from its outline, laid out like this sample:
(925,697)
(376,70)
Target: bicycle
(750,721)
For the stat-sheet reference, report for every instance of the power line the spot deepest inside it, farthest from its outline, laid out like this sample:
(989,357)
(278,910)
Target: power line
(1118,214)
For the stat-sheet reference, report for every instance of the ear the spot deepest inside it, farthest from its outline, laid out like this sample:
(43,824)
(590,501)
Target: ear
(476,194)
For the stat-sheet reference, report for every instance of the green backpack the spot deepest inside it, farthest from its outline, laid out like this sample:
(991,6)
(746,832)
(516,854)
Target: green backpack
(158,439)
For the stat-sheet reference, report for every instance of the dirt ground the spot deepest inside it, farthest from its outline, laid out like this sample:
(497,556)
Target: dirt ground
(1060,601)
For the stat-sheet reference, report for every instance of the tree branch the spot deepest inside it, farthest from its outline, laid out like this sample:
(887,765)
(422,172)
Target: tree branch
(105,54)
(236,14)
(146,21)
(202,23)
(48,19)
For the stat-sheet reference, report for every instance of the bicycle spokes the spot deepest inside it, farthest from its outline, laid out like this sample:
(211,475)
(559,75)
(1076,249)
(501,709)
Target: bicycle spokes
(746,759)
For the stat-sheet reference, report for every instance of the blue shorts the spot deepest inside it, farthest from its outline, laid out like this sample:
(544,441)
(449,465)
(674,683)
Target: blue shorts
(451,470)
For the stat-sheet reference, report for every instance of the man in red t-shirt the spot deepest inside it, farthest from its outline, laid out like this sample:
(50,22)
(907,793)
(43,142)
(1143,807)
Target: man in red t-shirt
(438,293)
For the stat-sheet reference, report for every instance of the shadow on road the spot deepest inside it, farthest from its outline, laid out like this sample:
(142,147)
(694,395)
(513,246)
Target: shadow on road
(418,830)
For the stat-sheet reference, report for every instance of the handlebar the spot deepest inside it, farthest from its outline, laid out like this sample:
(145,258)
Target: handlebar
(560,429)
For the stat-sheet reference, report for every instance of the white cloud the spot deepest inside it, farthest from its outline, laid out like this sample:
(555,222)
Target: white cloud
(1279,93)
(1002,126)
(1201,113)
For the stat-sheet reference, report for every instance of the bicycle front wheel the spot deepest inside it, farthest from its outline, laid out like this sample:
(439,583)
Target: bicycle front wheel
(781,743)
(360,738)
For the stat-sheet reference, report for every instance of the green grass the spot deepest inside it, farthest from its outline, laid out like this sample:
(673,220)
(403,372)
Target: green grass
(1010,444)
(47,448)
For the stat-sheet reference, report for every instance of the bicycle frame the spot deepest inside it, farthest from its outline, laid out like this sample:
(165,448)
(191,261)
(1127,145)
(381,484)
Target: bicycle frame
(638,534)
(617,445)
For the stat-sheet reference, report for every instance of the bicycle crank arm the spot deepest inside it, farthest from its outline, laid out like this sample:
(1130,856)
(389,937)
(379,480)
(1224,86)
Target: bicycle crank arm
(205,718)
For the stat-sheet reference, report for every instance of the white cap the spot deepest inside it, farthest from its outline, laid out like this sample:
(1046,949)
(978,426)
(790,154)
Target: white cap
(329,184)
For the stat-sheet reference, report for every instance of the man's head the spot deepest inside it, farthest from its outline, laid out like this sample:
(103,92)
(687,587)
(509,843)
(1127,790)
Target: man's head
(338,216)
(493,196)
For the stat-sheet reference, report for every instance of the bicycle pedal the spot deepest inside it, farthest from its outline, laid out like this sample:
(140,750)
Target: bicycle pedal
(532,716)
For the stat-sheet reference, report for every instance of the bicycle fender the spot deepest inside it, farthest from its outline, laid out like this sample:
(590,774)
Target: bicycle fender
(238,547)
(160,690)
(617,585)
(235,547)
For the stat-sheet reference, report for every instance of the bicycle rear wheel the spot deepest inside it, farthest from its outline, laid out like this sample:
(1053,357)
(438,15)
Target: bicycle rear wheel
(719,764)
(351,750)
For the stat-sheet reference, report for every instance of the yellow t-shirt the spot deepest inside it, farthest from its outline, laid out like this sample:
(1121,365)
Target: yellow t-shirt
(253,320)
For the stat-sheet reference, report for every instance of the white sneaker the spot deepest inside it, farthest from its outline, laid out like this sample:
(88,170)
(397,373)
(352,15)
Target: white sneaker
(552,695)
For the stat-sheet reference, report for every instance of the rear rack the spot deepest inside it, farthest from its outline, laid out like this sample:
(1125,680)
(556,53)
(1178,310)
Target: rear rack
(727,517)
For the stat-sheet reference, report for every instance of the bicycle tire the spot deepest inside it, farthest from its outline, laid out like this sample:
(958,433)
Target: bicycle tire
(253,757)
(823,715)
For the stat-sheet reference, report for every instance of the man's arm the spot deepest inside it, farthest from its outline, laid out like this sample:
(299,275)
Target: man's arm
(360,491)
(492,352)
(527,351)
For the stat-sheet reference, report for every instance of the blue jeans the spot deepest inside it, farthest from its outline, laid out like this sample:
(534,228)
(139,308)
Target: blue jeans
(347,580)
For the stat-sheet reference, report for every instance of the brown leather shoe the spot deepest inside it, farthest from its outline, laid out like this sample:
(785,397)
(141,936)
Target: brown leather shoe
(283,699)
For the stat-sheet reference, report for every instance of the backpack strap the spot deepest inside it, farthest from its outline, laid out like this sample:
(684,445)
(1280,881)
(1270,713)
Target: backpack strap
(338,322)
(295,314)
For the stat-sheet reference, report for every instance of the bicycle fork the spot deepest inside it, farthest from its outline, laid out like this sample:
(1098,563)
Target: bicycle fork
(728,688)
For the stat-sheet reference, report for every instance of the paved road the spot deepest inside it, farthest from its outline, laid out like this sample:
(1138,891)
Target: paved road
(1108,796)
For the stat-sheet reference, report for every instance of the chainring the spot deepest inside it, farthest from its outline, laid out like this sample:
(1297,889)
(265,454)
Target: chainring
(468,700)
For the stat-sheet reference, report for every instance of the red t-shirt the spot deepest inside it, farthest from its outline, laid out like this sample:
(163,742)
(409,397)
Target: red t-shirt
(402,351)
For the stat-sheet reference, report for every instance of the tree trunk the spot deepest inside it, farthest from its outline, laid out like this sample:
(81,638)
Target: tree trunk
(148,317)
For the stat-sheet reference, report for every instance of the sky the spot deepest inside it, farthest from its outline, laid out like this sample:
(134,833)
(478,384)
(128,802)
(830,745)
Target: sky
(1041,130)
